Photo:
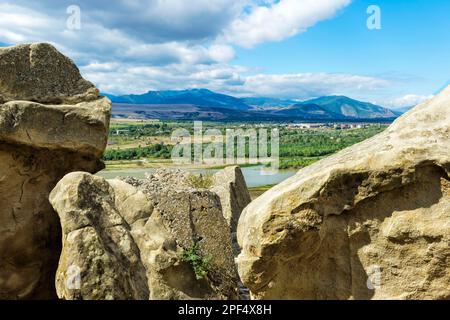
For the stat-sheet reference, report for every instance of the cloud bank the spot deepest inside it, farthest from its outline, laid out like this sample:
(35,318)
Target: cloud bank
(135,46)
(409,100)
(280,20)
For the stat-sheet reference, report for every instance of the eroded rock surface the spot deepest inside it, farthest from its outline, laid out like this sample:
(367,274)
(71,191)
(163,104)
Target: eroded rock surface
(99,259)
(370,222)
(52,122)
(230,185)
(166,222)
(38,72)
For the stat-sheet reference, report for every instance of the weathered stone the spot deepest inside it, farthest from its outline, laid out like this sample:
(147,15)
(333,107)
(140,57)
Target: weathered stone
(164,222)
(39,144)
(230,186)
(39,73)
(99,258)
(370,222)
(81,127)
(178,217)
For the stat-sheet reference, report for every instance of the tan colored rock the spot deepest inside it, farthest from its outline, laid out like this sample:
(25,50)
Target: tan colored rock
(370,222)
(38,72)
(159,223)
(99,258)
(39,144)
(230,186)
(80,128)
(175,218)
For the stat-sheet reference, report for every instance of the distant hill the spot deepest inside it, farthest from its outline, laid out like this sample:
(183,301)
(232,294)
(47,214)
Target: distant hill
(197,97)
(262,102)
(308,111)
(187,112)
(204,104)
(348,107)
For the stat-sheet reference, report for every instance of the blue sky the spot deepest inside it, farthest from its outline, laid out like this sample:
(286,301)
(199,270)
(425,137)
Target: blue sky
(295,49)
(412,49)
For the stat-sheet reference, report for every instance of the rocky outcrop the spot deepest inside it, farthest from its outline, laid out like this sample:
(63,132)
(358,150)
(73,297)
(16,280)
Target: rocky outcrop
(177,232)
(51,122)
(230,186)
(39,73)
(370,222)
(99,259)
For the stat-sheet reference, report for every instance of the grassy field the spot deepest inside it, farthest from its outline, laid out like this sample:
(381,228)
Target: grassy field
(137,143)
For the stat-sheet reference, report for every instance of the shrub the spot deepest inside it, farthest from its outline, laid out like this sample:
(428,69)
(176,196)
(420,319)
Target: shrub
(199,263)
(200,181)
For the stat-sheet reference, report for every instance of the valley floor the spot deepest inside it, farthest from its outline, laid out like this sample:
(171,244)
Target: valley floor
(139,146)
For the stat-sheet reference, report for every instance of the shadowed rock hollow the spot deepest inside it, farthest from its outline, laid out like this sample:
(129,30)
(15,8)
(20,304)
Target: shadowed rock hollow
(370,222)
(52,122)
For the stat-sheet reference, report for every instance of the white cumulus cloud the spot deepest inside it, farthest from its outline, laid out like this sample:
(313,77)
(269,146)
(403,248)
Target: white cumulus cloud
(309,85)
(409,100)
(140,45)
(280,20)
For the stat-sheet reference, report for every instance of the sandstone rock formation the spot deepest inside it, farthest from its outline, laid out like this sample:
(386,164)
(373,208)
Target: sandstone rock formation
(39,73)
(370,222)
(99,259)
(178,234)
(51,122)
(230,186)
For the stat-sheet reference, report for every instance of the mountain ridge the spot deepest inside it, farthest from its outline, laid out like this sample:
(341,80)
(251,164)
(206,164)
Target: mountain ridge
(210,105)
(199,97)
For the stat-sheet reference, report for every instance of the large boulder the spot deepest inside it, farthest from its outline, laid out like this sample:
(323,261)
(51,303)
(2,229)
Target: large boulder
(99,258)
(39,73)
(177,232)
(230,186)
(370,222)
(51,122)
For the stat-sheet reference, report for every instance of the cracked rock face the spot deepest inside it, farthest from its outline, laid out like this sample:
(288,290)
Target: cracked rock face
(370,222)
(154,224)
(230,186)
(52,122)
(39,73)
(99,259)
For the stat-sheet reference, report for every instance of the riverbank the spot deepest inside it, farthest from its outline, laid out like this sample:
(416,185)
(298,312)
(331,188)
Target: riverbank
(257,177)
(162,163)
(255,192)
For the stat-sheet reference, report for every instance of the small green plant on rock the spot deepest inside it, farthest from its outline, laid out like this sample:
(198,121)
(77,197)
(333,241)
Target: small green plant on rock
(198,262)
(200,181)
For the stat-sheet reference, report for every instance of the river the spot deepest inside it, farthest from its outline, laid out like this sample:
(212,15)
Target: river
(254,176)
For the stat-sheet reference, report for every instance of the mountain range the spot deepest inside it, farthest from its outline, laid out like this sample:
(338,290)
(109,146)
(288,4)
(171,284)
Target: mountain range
(198,97)
(203,104)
